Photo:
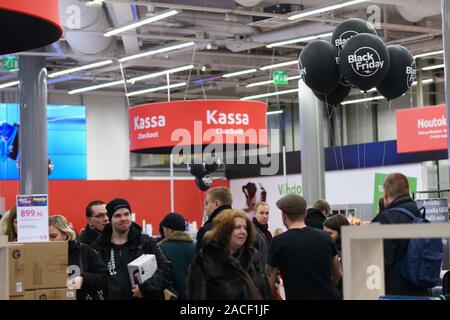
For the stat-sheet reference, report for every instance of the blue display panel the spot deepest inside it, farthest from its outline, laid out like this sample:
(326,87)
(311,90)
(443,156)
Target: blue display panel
(66,141)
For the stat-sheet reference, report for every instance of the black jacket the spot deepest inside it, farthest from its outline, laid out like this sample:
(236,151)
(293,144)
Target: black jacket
(207,226)
(93,270)
(89,235)
(137,245)
(315,218)
(395,250)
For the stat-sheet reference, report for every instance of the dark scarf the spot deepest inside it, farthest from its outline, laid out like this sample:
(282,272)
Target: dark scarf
(264,229)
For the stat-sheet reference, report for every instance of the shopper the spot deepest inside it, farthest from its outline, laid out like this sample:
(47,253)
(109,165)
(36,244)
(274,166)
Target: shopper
(90,275)
(122,242)
(396,195)
(381,206)
(261,220)
(97,219)
(179,248)
(316,215)
(306,257)
(8,225)
(228,267)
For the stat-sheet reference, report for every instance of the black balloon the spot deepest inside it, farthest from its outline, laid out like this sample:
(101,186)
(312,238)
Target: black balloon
(364,61)
(348,29)
(203,181)
(318,66)
(401,75)
(197,169)
(336,96)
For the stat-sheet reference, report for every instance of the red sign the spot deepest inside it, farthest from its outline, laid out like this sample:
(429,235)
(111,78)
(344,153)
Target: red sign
(162,126)
(422,129)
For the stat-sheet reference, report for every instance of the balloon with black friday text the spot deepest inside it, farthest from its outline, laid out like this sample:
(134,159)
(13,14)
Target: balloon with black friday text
(364,61)
(348,29)
(318,66)
(401,75)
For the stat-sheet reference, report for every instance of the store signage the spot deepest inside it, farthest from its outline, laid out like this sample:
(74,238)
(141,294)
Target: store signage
(32,218)
(280,77)
(159,127)
(436,210)
(422,129)
(9,63)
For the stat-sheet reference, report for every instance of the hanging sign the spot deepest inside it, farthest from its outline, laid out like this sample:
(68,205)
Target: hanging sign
(32,218)
(280,77)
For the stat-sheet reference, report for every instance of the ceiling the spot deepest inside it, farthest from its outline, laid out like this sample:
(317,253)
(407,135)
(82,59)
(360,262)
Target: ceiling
(228,37)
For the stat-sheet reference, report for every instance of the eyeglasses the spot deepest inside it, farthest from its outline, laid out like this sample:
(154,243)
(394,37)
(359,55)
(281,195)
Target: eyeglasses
(100,216)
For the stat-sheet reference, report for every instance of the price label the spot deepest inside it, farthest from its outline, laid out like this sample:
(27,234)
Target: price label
(32,218)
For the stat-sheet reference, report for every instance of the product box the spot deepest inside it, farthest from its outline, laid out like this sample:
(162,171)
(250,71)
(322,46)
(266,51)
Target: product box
(55,294)
(46,265)
(16,262)
(27,295)
(142,268)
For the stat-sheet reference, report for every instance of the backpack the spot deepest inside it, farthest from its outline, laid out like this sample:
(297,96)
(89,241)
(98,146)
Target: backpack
(422,264)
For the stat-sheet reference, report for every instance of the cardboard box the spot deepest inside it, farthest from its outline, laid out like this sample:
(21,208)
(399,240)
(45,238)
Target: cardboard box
(27,295)
(55,294)
(16,262)
(46,265)
(142,268)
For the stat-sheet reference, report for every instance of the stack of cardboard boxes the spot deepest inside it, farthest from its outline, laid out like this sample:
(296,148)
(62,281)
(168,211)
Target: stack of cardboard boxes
(38,271)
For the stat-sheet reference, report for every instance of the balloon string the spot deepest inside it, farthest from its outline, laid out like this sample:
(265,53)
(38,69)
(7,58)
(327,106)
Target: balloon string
(331,132)
(357,130)
(390,111)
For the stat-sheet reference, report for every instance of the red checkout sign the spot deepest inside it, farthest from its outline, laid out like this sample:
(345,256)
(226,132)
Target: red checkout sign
(422,129)
(162,126)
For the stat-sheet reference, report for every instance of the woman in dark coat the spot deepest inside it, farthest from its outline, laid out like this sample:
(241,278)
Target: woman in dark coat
(87,271)
(229,266)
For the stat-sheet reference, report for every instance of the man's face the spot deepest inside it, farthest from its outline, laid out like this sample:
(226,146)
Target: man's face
(262,214)
(211,205)
(99,218)
(121,220)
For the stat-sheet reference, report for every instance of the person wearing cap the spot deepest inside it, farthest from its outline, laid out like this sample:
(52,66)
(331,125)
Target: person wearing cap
(97,219)
(179,248)
(122,242)
(306,257)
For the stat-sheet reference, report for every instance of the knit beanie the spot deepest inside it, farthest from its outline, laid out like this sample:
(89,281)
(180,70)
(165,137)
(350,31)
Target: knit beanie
(115,204)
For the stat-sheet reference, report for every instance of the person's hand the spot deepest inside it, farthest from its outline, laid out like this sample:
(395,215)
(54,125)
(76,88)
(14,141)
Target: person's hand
(75,283)
(137,292)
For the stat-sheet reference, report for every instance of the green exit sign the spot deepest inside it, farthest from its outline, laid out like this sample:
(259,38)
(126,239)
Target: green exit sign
(280,77)
(9,63)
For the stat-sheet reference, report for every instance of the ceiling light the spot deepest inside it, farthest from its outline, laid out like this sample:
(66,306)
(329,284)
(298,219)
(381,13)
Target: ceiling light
(311,12)
(175,85)
(304,39)
(100,86)
(141,23)
(161,50)
(269,94)
(362,100)
(277,65)
(72,70)
(9,84)
(161,73)
(428,54)
(439,66)
(274,112)
(371,90)
(94,3)
(238,73)
(262,83)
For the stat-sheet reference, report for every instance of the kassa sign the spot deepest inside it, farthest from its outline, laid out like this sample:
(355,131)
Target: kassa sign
(158,127)
(421,129)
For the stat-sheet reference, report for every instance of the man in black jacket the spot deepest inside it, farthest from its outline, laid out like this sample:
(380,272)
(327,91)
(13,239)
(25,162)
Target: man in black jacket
(396,195)
(97,219)
(122,242)
(317,215)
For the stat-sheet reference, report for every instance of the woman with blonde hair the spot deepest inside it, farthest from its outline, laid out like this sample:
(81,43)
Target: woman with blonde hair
(90,274)
(229,266)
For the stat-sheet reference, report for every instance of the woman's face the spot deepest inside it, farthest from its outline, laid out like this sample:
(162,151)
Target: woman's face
(239,234)
(333,233)
(56,235)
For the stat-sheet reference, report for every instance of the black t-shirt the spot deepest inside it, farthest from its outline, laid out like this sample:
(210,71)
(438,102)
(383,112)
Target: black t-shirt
(119,285)
(304,258)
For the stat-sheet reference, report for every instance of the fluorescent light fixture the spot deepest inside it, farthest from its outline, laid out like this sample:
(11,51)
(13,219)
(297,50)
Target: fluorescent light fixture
(438,66)
(141,23)
(313,11)
(278,65)
(304,39)
(72,70)
(270,94)
(9,84)
(362,100)
(161,73)
(426,81)
(262,83)
(238,73)
(99,86)
(371,90)
(428,54)
(161,50)
(274,112)
(94,3)
(172,86)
